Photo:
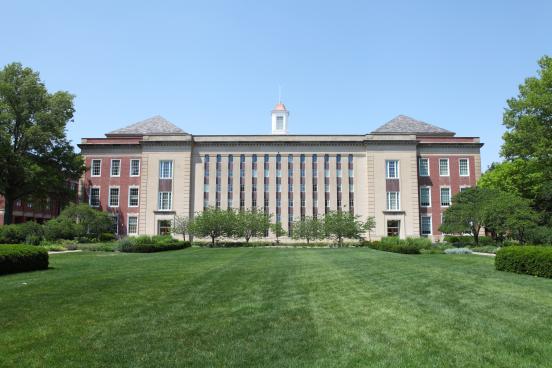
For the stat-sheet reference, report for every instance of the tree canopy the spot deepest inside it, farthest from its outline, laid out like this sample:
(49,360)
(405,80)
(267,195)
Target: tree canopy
(36,159)
(340,225)
(309,228)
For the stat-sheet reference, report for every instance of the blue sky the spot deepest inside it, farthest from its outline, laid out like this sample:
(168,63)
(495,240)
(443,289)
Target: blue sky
(344,66)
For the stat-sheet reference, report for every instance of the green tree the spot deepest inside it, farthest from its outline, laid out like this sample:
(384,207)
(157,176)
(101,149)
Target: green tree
(277,230)
(341,225)
(78,220)
(467,212)
(528,119)
(213,223)
(309,228)
(181,226)
(36,159)
(369,225)
(251,223)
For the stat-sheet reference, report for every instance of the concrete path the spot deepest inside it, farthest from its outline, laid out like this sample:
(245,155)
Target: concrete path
(484,254)
(65,251)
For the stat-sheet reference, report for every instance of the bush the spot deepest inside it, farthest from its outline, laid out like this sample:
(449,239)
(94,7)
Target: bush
(530,260)
(467,240)
(95,247)
(485,249)
(539,235)
(396,245)
(21,258)
(61,228)
(458,251)
(12,234)
(436,249)
(107,237)
(148,244)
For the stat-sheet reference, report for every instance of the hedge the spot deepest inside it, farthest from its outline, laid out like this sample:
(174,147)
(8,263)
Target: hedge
(21,258)
(531,260)
(397,245)
(150,244)
(255,244)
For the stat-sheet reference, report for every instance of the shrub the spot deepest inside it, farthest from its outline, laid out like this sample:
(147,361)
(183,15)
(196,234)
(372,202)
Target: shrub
(485,249)
(12,234)
(436,249)
(539,235)
(458,251)
(466,241)
(61,228)
(148,244)
(530,260)
(397,245)
(21,258)
(107,237)
(96,247)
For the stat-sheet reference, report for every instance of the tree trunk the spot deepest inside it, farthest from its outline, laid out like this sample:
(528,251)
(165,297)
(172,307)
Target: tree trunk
(308,240)
(212,241)
(247,239)
(8,210)
(476,236)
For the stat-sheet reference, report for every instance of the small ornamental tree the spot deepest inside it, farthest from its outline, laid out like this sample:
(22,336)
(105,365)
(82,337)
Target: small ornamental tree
(250,224)
(309,228)
(369,225)
(181,226)
(277,230)
(340,225)
(213,223)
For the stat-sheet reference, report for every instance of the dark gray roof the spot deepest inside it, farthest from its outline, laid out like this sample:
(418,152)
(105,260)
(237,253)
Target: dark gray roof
(152,126)
(406,125)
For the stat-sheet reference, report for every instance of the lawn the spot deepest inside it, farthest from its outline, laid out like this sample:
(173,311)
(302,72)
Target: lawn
(274,307)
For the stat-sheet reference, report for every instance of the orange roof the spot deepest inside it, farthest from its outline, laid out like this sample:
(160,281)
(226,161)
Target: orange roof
(280,107)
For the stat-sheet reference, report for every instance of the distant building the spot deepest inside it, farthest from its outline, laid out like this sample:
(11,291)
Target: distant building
(404,174)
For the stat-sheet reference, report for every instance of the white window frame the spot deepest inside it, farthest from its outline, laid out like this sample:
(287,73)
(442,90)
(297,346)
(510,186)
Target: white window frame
(139,167)
(396,169)
(90,196)
(429,190)
(111,168)
(161,171)
(133,187)
(169,201)
(398,201)
(464,187)
(92,167)
(441,196)
(118,196)
(448,166)
(430,225)
(467,166)
(128,223)
(420,166)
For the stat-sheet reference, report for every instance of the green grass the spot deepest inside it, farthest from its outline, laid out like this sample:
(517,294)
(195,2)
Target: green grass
(274,307)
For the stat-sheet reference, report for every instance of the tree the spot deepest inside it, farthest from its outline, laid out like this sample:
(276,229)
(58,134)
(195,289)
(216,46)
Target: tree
(528,119)
(467,212)
(79,220)
(181,226)
(278,230)
(213,223)
(250,223)
(340,225)
(369,225)
(36,159)
(309,228)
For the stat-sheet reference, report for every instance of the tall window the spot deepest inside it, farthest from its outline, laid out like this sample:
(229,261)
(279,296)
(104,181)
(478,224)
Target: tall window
(393,201)
(443,167)
(165,201)
(423,164)
(230,181)
(133,197)
(425,225)
(242,182)
(254,182)
(132,225)
(134,167)
(266,186)
(94,197)
(205,182)
(445,196)
(425,197)
(351,186)
(392,169)
(338,181)
(464,167)
(165,169)
(115,167)
(218,181)
(96,169)
(279,122)
(114,197)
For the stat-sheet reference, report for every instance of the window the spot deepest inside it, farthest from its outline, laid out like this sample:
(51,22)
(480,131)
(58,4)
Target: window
(96,168)
(315,187)
(115,224)
(94,197)
(327,188)
(278,188)
(164,227)
(393,227)
(266,173)
(114,197)
(132,225)
(290,187)
(290,202)
(425,197)
(443,167)
(315,202)
(351,173)
(279,123)
(423,167)
(254,173)
(351,188)
(464,167)
(165,201)
(206,188)
(338,173)
(134,167)
(165,169)
(279,173)
(425,224)
(463,189)
(133,197)
(115,167)
(393,201)
(230,202)
(327,173)
(392,169)
(445,197)
(302,187)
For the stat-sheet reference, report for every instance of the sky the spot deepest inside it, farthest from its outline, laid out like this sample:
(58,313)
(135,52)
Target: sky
(344,67)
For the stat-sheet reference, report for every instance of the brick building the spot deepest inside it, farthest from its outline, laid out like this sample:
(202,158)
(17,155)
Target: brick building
(403,173)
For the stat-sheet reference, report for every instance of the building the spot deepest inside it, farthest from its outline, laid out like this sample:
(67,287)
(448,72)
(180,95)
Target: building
(404,173)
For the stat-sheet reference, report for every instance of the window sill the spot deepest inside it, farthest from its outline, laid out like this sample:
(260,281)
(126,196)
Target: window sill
(393,211)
